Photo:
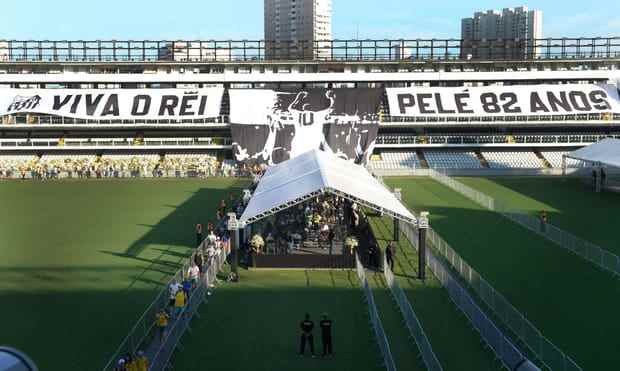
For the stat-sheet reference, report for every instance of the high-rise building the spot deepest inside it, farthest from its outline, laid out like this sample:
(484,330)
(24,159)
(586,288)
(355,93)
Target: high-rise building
(509,34)
(297,29)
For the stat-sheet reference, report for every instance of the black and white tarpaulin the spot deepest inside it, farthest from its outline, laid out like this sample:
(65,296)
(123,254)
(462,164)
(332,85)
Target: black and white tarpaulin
(271,126)
(605,152)
(313,173)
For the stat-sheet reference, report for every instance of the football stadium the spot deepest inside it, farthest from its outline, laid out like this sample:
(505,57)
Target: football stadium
(424,204)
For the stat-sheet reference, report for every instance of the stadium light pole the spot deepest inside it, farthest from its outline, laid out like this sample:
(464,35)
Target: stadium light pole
(422,227)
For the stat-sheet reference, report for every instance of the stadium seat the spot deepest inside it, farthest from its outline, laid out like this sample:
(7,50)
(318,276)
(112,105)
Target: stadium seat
(513,160)
(396,161)
(452,160)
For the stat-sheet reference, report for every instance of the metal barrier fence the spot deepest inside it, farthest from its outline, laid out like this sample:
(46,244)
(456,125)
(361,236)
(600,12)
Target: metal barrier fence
(377,327)
(544,351)
(124,174)
(418,50)
(501,345)
(587,250)
(413,324)
(163,354)
(144,331)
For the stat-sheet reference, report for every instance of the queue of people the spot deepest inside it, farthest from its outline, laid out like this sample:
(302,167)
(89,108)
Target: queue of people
(182,289)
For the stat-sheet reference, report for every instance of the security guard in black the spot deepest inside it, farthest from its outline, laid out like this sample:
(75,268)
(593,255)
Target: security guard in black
(326,335)
(307,326)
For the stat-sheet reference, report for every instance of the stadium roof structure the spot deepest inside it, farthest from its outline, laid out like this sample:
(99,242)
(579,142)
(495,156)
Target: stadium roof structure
(313,173)
(605,152)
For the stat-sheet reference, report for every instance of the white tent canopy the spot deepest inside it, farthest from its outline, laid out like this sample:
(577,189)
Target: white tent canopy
(315,172)
(605,152)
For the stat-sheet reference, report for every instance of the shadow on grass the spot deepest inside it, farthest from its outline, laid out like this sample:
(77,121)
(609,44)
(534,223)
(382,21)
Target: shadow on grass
(572,200)
(69,330)
(178,227)
(261,317)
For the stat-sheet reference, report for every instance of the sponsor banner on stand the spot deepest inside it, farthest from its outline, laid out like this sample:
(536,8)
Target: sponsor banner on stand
(518,100)
(114,104)
(273,126)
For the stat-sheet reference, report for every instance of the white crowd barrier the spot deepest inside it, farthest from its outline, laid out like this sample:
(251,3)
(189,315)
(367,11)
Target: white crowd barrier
(143,332)
(411,320)
(375,321)
(503,347)
(596,255)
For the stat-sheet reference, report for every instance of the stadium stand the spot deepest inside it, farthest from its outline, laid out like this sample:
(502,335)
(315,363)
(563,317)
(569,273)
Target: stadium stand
(452,160)
(513,160)
(200,163)
(396,160)
(555,159)
(69,165)
(11,166)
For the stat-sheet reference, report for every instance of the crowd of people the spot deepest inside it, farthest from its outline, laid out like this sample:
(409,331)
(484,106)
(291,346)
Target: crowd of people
(116,166)
(318,221)
(210,241)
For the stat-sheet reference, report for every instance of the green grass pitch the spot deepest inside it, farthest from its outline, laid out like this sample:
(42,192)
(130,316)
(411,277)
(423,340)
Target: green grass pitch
(454,341)
(574,304)
(81,260)
(254,324)
(569,202)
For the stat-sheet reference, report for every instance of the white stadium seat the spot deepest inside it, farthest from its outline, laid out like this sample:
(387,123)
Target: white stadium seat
(396,161)
(452,160)
(513,160)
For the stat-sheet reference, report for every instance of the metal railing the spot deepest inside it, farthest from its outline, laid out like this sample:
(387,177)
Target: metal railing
(599,118)
(375,320)
(544,350)
(510,356)
(411,320)
(124,143)
(537,344)
(596,255)
(144,331)
(576,139)
(161,359)
(323,50)
(42,119)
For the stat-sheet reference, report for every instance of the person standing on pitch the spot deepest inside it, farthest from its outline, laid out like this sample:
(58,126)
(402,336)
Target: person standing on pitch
(389,255)
(306,336)
(326,335)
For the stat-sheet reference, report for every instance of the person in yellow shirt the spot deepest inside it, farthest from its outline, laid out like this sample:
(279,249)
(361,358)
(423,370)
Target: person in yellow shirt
(179,303)
(161,320)
(317,220)
(131,364)
(142,361)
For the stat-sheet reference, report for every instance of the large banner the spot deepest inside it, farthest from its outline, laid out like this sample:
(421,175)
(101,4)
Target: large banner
(521,100)
(109,104)
(273,126)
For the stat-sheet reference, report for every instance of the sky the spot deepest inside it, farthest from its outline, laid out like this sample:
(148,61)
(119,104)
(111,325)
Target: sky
(243,19)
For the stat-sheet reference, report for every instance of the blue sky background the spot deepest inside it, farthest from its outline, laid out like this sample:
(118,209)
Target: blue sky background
(243,19)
